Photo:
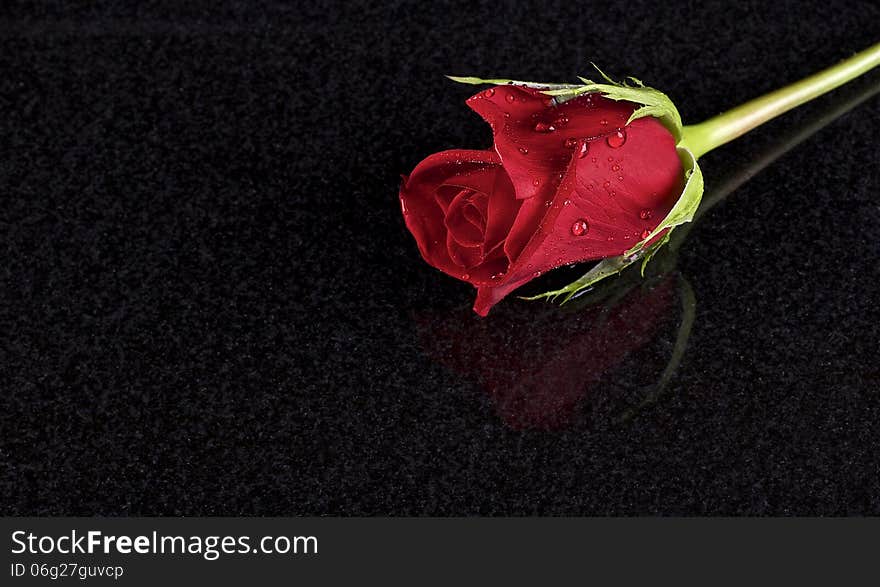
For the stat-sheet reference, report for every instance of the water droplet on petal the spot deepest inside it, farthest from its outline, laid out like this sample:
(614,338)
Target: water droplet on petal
(615,167)
(510,98)
(466,276)
(489,93)
(606,185)
(619,178)
(507,115)
(645,234)
(616,139)
(570,143)
(536,183)
(566,203)
(645,214)
(580,227)
(561,121)
(523,150)
(603,122)
(549,101)
(585,148)
(544,127)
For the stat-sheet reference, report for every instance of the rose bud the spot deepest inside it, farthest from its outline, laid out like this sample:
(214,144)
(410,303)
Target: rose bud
(592,172)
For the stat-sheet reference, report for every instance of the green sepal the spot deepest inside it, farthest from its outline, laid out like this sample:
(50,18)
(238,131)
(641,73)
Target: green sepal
(476,81)
(604,268)
(653,102)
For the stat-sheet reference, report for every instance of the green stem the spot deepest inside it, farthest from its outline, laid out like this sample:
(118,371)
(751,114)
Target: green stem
(705,136)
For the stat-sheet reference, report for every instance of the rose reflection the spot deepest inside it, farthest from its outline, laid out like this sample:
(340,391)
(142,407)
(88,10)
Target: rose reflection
(539,367)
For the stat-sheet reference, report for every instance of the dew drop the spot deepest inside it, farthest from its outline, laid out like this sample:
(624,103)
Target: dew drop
(645,234)
(606,185)
(615,167)
(497,276)
(580,227)
(619,178)
(536,183)
(507,115)
(561,121)
(523,150)
(544,127)
(585,148)
(489,93)
(645,214)
(466,276)
(510,98)
(548,102)
(616,139)
(566,203)
(570,143)
(610,239)
(603,122)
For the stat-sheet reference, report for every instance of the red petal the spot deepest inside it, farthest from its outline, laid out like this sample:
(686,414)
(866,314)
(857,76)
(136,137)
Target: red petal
(464,221)
(617,211)
(427,196)
(531,132)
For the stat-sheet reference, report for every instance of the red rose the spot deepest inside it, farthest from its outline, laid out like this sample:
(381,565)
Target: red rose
(565,183)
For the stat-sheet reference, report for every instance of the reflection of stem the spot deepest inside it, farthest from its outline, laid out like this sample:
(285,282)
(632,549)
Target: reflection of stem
(688,311)
(703,137)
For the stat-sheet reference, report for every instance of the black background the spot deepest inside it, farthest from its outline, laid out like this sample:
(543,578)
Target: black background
(210,304)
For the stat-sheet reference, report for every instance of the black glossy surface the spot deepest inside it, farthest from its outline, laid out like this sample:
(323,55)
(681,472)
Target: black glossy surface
(210,305)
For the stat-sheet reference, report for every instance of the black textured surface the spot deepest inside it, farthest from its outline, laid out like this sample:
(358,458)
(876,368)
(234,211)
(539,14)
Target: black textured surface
(210,305)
